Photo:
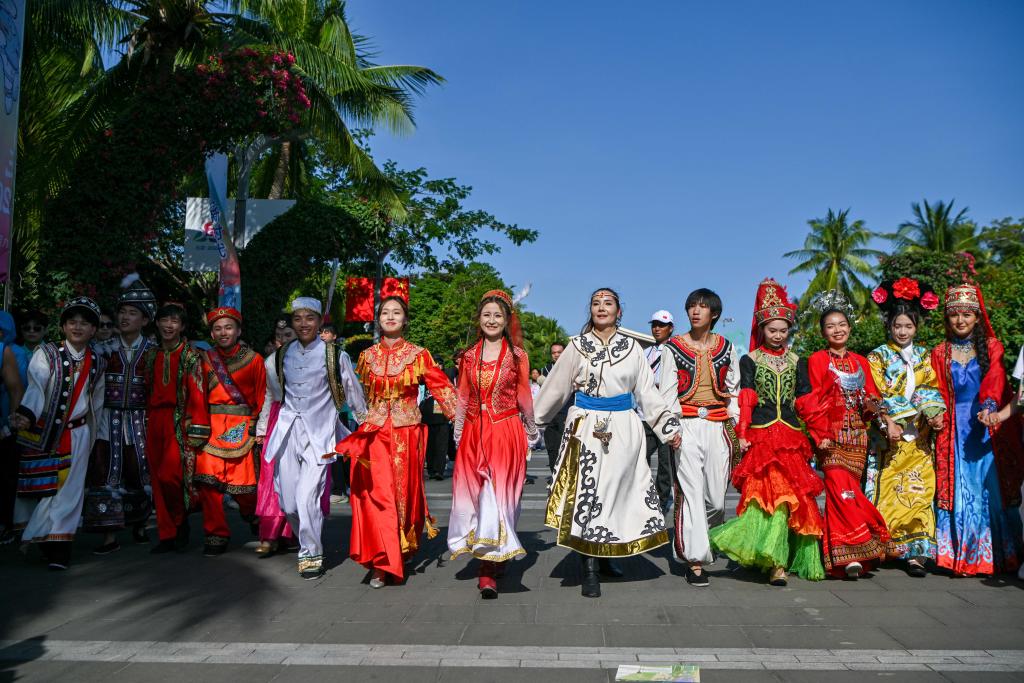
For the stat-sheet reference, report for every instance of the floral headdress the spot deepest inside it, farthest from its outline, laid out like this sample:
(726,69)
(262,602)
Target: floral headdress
(905,291)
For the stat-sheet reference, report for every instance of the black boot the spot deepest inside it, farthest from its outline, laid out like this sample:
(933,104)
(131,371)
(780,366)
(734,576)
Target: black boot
(591,584)
(609,569)
(181,539)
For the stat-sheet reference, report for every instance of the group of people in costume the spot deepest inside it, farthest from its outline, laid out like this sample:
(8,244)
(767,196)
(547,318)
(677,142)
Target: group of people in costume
(917,453)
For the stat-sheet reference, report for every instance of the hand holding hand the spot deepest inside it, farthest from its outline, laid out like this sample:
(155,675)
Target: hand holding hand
(19,422)
(744,445)
(826,444)
(937,422)
(893,429)
(676,441)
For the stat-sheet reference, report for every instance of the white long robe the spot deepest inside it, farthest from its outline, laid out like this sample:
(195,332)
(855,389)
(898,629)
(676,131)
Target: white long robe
(605,503)
(56,517)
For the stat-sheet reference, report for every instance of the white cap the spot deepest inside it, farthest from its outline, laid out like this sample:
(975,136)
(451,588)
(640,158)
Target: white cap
(662,316)
(308,303)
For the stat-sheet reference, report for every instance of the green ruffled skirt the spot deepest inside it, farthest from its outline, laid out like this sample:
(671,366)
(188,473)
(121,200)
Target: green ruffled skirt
(757,539)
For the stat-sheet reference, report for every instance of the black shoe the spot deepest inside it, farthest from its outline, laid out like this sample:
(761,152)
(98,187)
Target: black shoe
(609,569)
(181,539)
(916,570)
(9,536)
(695,579)
(164,546)
(212,550)
(107,548)
(140,536)
(312,573)
(531,480)
(591,585)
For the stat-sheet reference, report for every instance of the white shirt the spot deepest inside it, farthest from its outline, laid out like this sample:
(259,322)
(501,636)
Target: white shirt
(1018,369)
(307,399)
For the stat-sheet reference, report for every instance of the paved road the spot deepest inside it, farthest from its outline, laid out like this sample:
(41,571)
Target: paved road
(135,617)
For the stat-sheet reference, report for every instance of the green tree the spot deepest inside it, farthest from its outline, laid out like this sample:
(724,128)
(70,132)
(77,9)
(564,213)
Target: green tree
(1003,288)
(437,231)
(539,333)
(936,228)
(836,252)
(1003,240)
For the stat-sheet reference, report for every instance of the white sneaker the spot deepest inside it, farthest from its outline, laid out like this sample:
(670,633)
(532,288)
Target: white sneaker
(853,570)
(378,579)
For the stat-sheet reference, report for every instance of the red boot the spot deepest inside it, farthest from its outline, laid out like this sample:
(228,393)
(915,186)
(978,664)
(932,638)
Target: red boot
(486,583)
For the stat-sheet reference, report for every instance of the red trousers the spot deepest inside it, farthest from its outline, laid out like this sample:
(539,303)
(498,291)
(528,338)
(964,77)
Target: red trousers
(166,472)
(215,523)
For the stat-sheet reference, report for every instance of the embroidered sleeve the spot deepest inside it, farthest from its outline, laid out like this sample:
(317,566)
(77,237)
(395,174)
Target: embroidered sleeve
(464,393)
(927,398)
(269,396)
(558,387)
(894,403)
(198,410)
(813,406)
(353,389)
(524,397)
(34,399)
(993,390)
(732,384)
(748,395)
(440,386)
(657,413)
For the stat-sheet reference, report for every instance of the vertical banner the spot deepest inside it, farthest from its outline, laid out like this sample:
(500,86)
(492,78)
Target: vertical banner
(12,28)
(230,292)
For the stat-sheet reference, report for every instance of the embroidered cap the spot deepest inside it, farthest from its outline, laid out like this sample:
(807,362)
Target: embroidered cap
(963,297)
(137,294)
(223,312)
(662,316)
(83,305)
(770,303)
(307,303)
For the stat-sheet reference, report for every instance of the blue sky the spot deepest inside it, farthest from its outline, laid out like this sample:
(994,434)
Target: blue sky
(663,146)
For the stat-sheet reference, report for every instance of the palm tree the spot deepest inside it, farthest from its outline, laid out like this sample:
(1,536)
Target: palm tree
(936,229)
(836,252)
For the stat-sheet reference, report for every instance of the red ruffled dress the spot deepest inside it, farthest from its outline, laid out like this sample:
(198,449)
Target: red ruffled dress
(778,523)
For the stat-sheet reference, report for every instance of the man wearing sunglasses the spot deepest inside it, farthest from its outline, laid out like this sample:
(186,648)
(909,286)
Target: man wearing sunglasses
(32,329)
(106,328)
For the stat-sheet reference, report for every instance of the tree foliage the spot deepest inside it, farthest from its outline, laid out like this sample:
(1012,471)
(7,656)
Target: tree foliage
(936,229)
(836,251)
(443,308)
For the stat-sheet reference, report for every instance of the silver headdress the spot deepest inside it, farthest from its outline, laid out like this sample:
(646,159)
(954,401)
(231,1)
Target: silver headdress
(831,300)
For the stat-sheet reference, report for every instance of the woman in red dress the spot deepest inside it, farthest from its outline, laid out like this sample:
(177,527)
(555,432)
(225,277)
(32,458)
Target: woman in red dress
(389,506)
(493,427)
(856,536)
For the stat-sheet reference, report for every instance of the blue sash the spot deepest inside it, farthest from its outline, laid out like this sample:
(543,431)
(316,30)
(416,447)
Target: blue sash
(606,403)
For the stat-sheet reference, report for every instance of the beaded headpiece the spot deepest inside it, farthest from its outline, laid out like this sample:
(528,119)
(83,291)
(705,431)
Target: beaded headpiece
(831,300)
(968,297)
(137,294)
(88,308)
(515,330)
(771,303)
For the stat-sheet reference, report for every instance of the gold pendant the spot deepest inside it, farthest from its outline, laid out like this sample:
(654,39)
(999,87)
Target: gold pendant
(602,434)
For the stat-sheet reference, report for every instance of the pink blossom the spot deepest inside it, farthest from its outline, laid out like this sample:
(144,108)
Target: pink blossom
(880,295)
(929,301)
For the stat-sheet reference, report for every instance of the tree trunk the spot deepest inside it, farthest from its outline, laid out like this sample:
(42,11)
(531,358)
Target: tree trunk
(281,172)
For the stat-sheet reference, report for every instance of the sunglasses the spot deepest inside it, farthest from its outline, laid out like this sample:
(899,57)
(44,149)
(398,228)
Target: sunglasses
(32,328)
(106,325)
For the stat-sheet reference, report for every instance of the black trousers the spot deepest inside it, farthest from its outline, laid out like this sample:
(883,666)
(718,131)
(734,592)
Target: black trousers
(666,472)
(9,455)
(553,440)
(437,447)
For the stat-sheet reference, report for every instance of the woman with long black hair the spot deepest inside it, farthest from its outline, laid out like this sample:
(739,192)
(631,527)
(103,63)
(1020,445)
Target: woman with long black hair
(493,427)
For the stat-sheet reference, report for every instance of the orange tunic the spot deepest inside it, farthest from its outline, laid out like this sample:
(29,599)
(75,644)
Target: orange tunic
(389,508)
(228,416)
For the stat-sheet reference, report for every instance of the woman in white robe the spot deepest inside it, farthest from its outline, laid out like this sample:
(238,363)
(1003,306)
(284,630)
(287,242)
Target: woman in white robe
(603,502)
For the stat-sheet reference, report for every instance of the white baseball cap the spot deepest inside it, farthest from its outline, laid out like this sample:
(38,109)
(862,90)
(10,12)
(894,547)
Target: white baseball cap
(662,316)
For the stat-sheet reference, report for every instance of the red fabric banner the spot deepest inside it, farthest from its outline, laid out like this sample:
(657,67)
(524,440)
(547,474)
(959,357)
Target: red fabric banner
(359,296)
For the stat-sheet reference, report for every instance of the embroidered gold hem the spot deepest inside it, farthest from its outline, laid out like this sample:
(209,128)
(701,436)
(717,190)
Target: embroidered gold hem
(562,503)
(519,552)
(214,482)
(232,453)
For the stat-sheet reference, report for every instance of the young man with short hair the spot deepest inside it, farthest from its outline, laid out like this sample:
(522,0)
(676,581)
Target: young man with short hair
(235,383)
(313,381)
(119,474)
(662,326)
(175,376)
(708,372)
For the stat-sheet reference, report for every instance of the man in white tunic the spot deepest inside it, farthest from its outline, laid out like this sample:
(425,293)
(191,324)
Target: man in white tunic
(57,428)
(313,381)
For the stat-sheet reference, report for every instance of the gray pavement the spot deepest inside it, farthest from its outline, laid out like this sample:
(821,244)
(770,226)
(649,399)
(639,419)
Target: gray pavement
(132,616)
